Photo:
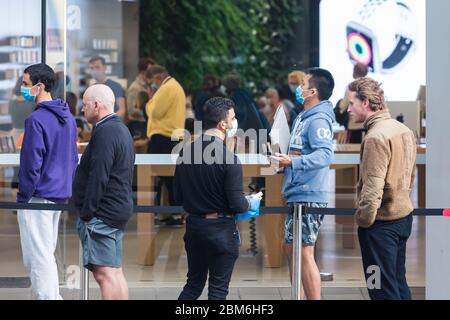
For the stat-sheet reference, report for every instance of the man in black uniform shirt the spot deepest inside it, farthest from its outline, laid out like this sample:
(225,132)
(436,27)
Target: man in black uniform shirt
(208,183)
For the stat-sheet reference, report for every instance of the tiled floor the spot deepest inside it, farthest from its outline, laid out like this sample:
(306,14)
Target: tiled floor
(250,279)
(235,294)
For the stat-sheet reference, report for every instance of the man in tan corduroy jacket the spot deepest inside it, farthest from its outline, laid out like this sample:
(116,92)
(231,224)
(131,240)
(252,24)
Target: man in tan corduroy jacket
(388,154)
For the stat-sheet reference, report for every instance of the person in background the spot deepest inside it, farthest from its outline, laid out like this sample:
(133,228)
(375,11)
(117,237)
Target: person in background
(72,101)
(211,87)
(83,127)
(354,130)
(138,86)
(189,124)
(97,68)
(273,103)
(249,118)
(384,206)
(190,114)
(295,79)
(48,159)
(262,103)
(286,98)
(247,113)
(166,112)
(62,81)
(138,125)
(102,192)
(360,70)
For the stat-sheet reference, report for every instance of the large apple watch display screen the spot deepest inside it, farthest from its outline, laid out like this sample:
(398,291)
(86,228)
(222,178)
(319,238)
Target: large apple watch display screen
(377,34)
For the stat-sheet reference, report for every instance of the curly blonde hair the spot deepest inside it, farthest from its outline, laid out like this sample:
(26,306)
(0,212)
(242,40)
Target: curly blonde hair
(370,90)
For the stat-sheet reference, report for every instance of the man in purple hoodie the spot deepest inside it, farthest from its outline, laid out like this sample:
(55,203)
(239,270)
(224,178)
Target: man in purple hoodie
(48,160)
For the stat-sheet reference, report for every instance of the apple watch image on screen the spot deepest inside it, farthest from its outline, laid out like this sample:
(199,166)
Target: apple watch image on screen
(383,36)
(360,46)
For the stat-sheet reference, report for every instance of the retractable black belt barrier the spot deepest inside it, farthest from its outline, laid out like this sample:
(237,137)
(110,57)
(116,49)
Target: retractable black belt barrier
(179,210)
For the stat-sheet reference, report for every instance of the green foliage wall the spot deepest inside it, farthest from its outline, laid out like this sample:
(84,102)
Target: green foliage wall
(256,38)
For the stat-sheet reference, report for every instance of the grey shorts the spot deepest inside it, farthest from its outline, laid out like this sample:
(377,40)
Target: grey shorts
(102,244)
(310,225)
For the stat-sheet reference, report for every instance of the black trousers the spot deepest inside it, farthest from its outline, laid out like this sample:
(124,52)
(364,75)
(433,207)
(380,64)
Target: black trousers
(383,246)
(212,246)
(159,144)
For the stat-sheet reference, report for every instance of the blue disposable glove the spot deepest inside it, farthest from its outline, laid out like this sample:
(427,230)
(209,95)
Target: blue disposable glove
(255,203)
(253,210)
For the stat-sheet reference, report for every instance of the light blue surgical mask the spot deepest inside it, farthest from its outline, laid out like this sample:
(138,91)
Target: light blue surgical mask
(298,95)
(154,87)
(26,94)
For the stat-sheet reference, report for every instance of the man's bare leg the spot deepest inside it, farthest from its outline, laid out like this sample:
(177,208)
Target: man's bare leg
(113,285)
(310,274)
(288,250)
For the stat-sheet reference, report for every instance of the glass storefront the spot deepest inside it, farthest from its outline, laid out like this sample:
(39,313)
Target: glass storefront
(20,45)
(109,29)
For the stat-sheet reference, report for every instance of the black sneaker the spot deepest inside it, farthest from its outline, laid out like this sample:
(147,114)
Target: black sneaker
(175,222)
(165,220)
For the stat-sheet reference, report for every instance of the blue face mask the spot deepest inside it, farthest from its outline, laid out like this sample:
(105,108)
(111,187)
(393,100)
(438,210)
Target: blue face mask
(26,94)
(154,87)
(298,95)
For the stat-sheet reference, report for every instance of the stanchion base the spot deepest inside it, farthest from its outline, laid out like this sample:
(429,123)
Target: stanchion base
(326,276)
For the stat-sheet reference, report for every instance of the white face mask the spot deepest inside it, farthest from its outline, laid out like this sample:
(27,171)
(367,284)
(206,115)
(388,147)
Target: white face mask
(232,132)
(98,75)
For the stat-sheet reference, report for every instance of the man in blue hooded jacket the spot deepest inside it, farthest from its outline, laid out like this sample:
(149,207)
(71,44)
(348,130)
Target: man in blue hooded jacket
(306,169)
(48,159)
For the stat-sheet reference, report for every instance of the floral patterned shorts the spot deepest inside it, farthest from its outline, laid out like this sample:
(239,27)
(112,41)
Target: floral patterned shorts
(310,225)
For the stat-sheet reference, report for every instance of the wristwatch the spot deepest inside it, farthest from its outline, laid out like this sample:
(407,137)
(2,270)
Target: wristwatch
(382,36)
